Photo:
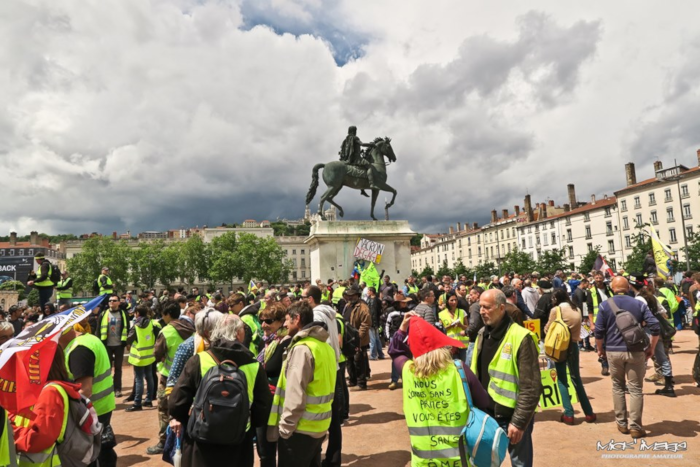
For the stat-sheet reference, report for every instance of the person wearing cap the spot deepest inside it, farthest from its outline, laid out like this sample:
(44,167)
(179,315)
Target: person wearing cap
(360,319)
(64,289)
(42,281)
(104,282)
(434,401)
(627,368)
(505,360)
(597,294)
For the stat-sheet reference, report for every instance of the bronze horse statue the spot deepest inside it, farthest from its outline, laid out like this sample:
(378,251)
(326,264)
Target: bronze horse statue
(338,174)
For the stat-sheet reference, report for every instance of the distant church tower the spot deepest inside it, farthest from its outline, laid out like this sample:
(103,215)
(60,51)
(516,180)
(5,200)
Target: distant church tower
(307,213)
(331,214)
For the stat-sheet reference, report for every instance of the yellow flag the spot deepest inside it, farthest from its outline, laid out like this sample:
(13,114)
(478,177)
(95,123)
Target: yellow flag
(663,254)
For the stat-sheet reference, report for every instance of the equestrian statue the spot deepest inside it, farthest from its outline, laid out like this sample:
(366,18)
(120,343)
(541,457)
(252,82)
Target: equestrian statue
(358,169)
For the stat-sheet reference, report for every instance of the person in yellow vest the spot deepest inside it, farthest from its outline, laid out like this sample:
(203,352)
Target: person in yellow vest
(64,289)
(141,343)
(434,401)
(88,364)
(104,282)
(175,331)
(455,322)
(337,296)
(597,294)
(113,329)
(36,436)
(410,286)
(505,360)
(302,406)
(8,453)
(226,344)
(42,280)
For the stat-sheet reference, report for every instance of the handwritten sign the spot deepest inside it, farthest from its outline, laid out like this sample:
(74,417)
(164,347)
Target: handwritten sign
(533,325)
(369,250)
(551,397)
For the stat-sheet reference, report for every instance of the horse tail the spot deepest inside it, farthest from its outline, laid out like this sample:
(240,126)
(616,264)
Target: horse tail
(314,183)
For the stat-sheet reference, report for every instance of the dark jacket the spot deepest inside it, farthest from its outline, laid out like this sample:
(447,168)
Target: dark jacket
(649,265)
(375,309)
(579,297)
(475,321)
(183,395)
(515,313)
(183,327)
(42,276)
(529,378)
(606,327)
(544,306)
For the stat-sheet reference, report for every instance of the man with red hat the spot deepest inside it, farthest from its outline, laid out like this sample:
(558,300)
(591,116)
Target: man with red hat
(433,396)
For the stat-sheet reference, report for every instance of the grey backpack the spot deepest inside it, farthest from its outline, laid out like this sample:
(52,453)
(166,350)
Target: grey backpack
(632,332)
(83,438)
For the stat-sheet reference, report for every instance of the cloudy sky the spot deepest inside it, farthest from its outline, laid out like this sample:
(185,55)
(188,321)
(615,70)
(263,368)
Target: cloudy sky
(157,114)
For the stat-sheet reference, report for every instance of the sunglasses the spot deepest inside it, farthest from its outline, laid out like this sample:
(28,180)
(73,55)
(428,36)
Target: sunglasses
(267,321)
(113,300)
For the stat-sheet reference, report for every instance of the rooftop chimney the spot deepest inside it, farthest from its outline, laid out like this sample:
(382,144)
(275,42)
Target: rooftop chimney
(572,194)
(475,226)
(528,208)
(459,226)
(517,210)
(658,166)
(452,230)
(551,202)
(567,208)
(592,199)
(33,238)
(505,214)
(494,216)
(698,157)
(114,235)
(13,238)
(543,211)
(632,175)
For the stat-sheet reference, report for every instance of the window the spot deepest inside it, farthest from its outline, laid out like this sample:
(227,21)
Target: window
(30,252)
(608,228)
(469,241)
(523,243)
(509,248)
(608,213)
(628,241)
(294,262)
(479,251)
(569,238)
(554,238)
(303,274)
(639,220)
(2,252)
(470,252)
(588,232)
(529,241)
(652,199)
(294,274)
(667,195)
(586,216)
(544,226)
(669,215)
(589,246)
(672,234)
(623,205)
(501,235)
(294,252)
(544,238)
(654,218)
(571,252)
(21,252)
(611,246)
(478,240)
(302,252)
(12,252)
(689,231)
(637,203)
(684,191)
(551,225)
(625,223)
(303,262)
(491,252)
(568,221)
(513,231)
(507,233)
(686,212)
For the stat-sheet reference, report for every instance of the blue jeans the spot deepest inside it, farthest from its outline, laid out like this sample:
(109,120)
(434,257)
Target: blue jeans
(572,362)
(521,454)
(662,359)
(45,294)
(375,344)
(139,373)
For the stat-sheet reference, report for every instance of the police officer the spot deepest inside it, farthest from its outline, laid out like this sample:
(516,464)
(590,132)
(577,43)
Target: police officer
(104,282)
(42,280)
(65,289)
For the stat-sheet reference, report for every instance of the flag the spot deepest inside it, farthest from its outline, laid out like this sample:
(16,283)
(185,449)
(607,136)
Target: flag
(601,265)
(474,277)
(251,285)
(25,360)
(370,276)
(663,255)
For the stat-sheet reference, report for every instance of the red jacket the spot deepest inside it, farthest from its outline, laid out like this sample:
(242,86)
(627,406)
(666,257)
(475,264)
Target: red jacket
(46,419)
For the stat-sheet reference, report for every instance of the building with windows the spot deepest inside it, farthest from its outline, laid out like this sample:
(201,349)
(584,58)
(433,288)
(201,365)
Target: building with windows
(17,258)
(665,202)
(298,254)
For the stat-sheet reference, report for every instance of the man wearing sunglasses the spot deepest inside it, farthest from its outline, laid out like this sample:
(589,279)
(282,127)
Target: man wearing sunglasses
(112,331)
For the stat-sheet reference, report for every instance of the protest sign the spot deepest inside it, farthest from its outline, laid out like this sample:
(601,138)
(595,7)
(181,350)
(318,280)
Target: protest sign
(369,250)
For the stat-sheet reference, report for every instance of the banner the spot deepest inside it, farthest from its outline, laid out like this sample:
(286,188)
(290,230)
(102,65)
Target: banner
(369,250)
(533,325)
(25,360)
(551,397)
(663,254)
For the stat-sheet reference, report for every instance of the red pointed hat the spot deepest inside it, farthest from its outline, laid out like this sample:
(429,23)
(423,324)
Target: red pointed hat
(424,337)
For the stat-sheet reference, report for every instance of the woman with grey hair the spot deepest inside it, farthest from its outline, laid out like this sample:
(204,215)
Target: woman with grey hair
(226,344)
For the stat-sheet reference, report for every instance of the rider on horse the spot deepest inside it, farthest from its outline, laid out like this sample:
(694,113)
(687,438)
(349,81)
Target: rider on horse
(351,153)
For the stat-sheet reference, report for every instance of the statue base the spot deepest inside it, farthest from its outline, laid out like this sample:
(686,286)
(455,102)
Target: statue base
(332,247)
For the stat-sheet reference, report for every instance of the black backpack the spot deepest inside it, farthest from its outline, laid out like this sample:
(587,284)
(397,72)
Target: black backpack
(219,414)
(351,339)
(55,274)
(96,287)
(632,333)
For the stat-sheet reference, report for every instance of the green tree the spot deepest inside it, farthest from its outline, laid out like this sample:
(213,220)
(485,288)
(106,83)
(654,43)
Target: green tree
(642,245)
(518,261)
(415,240)
(17,286)
(552,260)
(262,259)
(155,262)
(444,270)
(427,271)
(280,228)
(33,297)
(693,252)
(97,252)
(588,261)
(486,270)
(194,261)
(303,230)
(414,273)
(460,269)
(224,266)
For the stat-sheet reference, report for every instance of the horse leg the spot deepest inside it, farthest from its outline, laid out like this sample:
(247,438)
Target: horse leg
(385,187)
(331,200)
(325,197)
(375,193)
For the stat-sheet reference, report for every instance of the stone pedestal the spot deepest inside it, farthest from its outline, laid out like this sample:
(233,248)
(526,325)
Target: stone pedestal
(332,244)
